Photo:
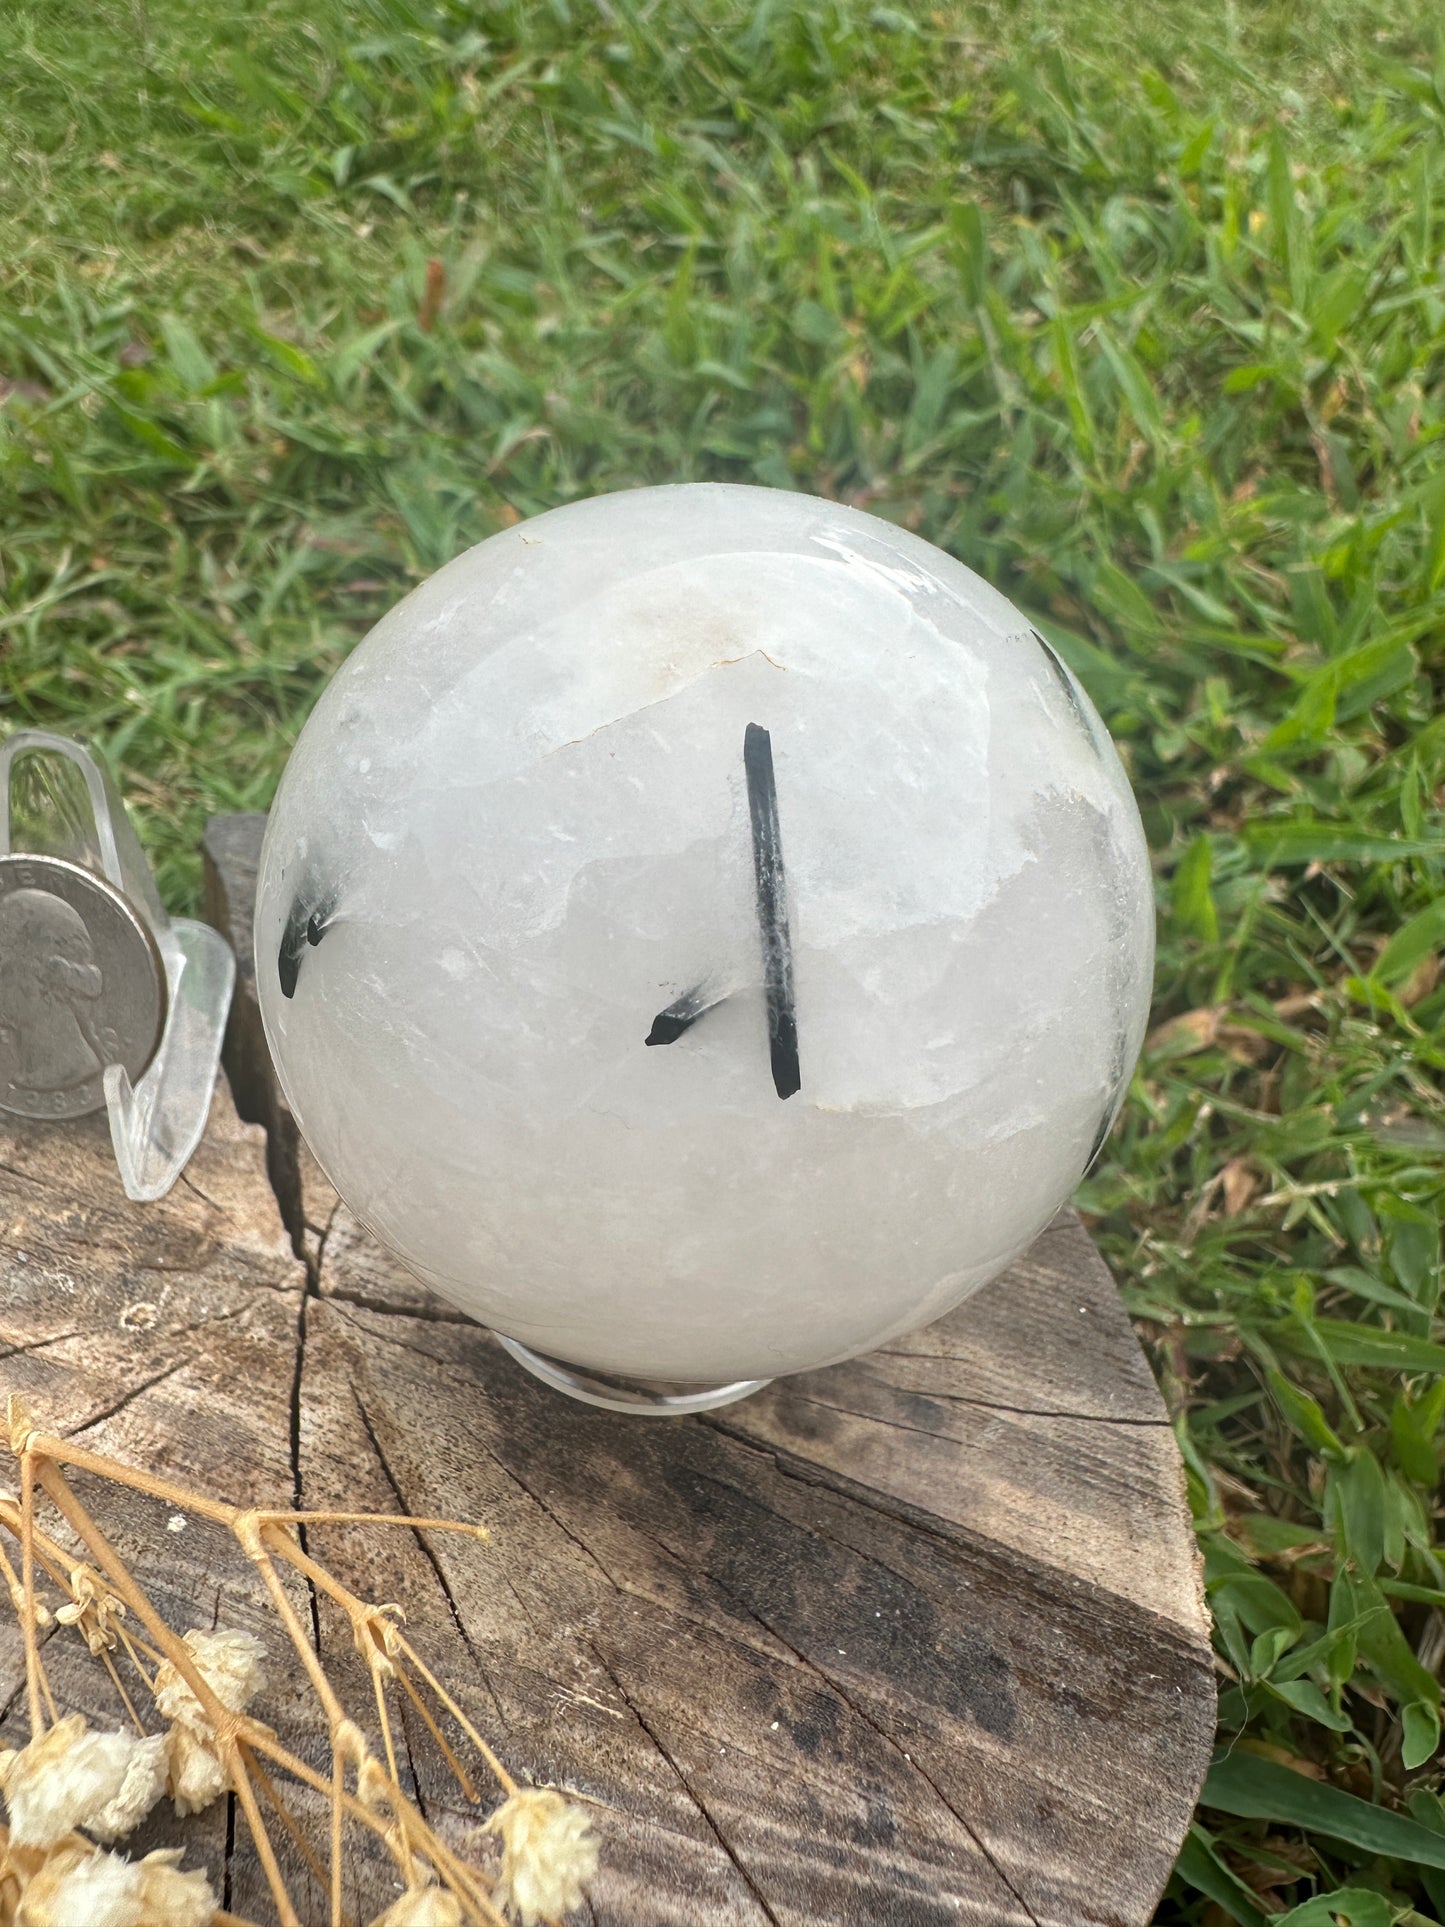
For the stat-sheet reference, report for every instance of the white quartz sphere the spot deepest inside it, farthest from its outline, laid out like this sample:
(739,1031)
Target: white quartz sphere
(522,829)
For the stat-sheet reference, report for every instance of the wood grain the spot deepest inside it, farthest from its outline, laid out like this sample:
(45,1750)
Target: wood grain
(916,1640)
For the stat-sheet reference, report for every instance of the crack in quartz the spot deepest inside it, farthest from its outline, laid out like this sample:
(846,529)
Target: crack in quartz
(657,702)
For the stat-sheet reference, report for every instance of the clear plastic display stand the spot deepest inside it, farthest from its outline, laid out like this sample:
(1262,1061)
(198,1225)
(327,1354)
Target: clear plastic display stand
(62,826)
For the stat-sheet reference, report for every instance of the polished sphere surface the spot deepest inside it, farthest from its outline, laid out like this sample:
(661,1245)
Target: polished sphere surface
(704,932)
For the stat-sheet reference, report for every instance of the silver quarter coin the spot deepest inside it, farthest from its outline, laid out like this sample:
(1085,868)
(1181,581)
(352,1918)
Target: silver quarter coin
(81,986)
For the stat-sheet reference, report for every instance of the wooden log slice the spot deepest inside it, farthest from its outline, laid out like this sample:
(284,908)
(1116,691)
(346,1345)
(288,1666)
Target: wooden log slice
(916,1640)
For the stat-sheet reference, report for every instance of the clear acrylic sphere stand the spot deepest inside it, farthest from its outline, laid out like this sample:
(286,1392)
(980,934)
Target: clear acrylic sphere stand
(638,1397)
(157,1122)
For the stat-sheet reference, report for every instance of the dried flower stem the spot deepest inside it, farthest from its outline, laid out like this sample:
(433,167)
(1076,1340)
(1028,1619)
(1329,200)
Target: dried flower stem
(322,1579)
(507,1783)
(278,1807)
(125,1698)
(245,1793)
(458,1771)
(33,1672)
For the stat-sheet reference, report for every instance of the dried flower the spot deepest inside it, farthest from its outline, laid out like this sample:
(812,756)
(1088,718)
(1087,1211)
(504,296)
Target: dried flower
(378,1639)
(374,1785)
(141,1786)
(549,1853)
(170,1898)
(78,1883)
(70,1777)
(194,1773)
(230,1664)
(423,1907)
(93,1607)
(75,1883)
(52,1875)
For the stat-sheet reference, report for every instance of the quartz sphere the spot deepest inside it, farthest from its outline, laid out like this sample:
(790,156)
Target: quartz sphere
(704,932)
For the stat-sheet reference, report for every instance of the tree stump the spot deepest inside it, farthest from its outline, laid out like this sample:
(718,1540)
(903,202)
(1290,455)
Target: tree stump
(918,1639)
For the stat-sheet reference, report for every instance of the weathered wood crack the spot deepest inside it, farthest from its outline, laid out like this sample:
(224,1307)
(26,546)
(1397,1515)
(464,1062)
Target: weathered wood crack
(404,1505)
(433,1314)
(958,1398)
(682,1779)
(914,1767)
(37,1345)
(230,1853)
(337,1301)
(127,1398)
(294,1416)
(1037,1411)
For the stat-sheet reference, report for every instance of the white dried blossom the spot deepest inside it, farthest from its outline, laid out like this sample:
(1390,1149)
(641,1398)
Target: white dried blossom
(70,1777)
(230,1664)
(75,1884)
(194,1773)
(78,1884)
(142,1784)
(549,1853)
(170,1898)
(423,1907)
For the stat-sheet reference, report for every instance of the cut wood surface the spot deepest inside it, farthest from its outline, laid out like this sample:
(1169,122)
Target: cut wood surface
(914,1640)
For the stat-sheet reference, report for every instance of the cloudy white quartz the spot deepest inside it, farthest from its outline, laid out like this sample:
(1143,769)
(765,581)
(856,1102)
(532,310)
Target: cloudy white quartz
(719,750)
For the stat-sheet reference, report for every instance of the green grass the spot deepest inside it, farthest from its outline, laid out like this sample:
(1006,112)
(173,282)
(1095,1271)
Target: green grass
(296,303)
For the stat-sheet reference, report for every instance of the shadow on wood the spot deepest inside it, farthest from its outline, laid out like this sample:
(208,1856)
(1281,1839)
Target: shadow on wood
(917,1639)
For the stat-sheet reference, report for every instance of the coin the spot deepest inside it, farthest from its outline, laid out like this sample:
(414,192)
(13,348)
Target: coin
(81,986)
